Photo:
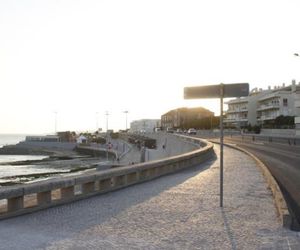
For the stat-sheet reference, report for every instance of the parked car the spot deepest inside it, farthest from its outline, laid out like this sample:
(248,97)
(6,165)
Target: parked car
(170,130)
(192,131)
(157,129)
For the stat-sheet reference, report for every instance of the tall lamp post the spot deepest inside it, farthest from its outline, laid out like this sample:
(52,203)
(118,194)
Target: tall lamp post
(107,114)
(97,124)
(126,113)
(55,122)
(297,118)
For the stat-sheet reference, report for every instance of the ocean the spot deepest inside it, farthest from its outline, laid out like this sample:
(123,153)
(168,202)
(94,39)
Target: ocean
(11,174)
(10,139)
(7,171)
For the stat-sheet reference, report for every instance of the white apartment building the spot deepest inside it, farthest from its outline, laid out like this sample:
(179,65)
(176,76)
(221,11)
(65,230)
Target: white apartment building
(144,125)
(237,113)
(263,106)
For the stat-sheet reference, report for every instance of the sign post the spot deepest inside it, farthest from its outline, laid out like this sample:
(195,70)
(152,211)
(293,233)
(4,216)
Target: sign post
(218,91)
(221,143)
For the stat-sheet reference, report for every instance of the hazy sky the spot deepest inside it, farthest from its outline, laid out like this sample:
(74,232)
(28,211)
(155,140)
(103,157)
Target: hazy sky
(78,58)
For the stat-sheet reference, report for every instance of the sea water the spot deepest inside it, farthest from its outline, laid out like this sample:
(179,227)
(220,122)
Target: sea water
(10,139)
(7,170)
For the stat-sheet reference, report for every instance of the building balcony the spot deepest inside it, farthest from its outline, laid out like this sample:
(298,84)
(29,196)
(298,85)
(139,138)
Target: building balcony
(266,118)
(234,120)
(266,107)
(270,96)
(237,101)
(236,111)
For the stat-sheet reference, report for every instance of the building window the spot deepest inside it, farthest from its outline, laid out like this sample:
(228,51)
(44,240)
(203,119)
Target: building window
(285,102)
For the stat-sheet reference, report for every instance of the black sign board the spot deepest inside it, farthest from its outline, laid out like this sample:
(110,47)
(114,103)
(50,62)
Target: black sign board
(214,91)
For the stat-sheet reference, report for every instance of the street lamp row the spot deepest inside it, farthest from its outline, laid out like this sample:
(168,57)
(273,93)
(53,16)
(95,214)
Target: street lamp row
(107,114)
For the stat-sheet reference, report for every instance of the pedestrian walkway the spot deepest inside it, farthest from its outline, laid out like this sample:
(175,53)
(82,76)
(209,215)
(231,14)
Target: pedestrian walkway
(178,211)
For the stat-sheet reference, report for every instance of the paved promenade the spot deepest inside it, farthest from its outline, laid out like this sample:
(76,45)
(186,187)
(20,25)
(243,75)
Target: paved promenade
(179,211)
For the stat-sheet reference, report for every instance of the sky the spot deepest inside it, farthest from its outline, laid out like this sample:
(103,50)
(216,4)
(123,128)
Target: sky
(69,62)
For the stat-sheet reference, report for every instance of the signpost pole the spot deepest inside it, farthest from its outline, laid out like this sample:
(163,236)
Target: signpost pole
(218,91)
(221,143)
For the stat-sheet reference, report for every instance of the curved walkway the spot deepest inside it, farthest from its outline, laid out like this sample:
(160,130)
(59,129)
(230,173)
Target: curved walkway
(179,211)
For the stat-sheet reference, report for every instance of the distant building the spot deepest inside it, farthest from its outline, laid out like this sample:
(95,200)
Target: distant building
(184,117)
(42,138)
(67,136)
(262,107)
(144,125)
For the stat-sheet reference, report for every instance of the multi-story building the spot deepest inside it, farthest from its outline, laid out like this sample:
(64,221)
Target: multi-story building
(262,107)
(237,113)
(144,125)
(184,117)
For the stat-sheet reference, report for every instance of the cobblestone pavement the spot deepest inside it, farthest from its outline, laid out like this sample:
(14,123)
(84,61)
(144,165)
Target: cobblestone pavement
(178,211)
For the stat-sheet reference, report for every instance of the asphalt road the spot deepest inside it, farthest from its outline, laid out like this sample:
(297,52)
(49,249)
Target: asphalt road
(283,160)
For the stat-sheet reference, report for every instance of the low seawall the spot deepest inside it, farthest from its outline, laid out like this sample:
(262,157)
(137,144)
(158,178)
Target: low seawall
(110,154)
(27,198)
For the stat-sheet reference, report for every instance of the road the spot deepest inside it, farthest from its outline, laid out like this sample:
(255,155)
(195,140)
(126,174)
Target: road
(283,160)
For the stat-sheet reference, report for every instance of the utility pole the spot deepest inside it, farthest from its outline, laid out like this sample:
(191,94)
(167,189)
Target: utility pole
(97,124)
(126,113)
(107,114)
(55,122)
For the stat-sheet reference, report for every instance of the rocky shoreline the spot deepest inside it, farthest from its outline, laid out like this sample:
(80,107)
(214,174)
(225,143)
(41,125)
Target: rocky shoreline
(59,162)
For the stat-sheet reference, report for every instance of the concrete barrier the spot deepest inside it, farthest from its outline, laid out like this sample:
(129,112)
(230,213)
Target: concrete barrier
(32,197)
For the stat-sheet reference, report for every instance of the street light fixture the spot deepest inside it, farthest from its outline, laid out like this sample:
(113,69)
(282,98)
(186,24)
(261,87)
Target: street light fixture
(55,122)
(97,124)
(107,114)
(126,113)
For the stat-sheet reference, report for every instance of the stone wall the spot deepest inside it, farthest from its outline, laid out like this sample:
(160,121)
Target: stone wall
(27,198)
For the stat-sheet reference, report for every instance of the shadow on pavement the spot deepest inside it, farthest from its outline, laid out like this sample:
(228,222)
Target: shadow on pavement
(60,222)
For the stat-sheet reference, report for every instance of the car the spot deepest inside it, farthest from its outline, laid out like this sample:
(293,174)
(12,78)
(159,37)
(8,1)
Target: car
(170,130)
(192,131)
(157,129)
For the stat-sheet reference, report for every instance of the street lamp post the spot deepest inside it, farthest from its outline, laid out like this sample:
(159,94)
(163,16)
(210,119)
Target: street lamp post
(55,122)
(126,113)
(297,118)
(107,114)
(97,124)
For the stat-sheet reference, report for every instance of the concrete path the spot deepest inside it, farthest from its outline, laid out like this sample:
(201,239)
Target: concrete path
(179,211)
